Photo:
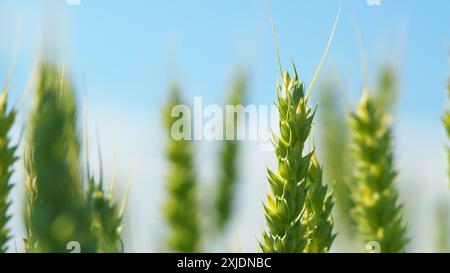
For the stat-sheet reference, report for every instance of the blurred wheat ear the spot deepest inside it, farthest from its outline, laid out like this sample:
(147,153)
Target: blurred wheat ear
(376,211)
(443,212)
(335,139)
(7,159)
(107,216)
(226,194)
(181,208)
(442,217)
(334,149)
(446,122)
(387,89)
(58,211)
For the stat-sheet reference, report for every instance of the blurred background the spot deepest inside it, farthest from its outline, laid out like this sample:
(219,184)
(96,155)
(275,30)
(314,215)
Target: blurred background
(123,56)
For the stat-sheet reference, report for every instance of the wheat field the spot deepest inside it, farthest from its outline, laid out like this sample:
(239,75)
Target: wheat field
(239,137)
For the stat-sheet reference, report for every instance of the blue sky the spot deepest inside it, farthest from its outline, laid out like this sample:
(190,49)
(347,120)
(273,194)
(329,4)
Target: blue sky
(127,51)
(123,55)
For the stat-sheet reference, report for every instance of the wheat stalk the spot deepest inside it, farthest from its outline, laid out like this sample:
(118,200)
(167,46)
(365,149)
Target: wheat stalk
(60,213)
(7,159)
(377,213)
(228,159)
(181,209)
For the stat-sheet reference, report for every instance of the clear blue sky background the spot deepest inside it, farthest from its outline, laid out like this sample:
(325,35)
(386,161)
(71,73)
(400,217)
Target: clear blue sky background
(126,53)
(128,50)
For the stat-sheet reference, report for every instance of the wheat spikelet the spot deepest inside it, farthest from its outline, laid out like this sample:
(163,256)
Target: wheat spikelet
(318,211)
(30,243)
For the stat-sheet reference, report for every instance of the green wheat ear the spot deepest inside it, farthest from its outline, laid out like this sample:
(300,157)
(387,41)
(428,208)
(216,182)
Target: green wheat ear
(377,213)
(387,90)
(107,218)
(106,214)
(181,208)
(286,202)
(442,223)
(334,147)
(446,121)
(318,211)
(59,212)
(289,224)
(228,158)
(7,159)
